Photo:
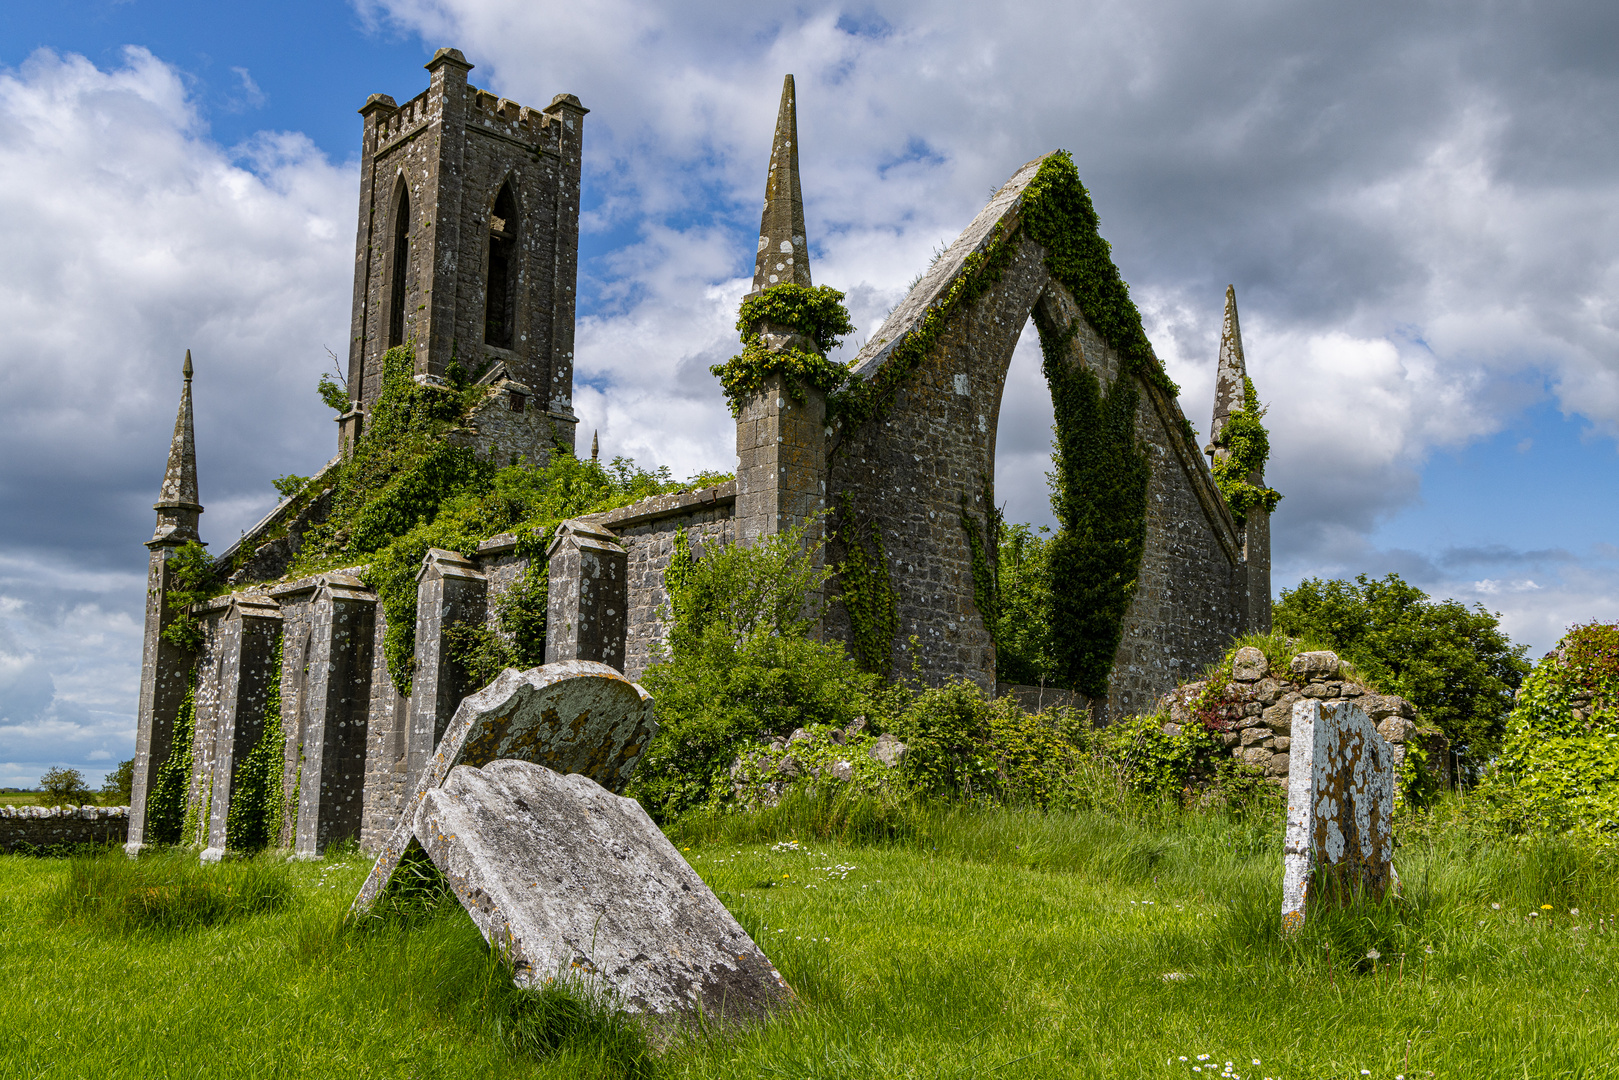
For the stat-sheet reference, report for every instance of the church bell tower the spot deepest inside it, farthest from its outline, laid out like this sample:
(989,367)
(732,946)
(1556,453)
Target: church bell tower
(468,243)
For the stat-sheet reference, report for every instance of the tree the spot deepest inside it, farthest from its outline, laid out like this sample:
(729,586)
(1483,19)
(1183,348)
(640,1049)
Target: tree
(1453,663)
(63,787)
(119,783)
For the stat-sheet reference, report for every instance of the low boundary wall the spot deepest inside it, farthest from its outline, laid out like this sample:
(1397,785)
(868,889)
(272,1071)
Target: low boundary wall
(40,826)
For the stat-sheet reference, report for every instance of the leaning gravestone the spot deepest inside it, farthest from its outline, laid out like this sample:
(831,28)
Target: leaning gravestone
(576,716)
(1340,801)
(574,882)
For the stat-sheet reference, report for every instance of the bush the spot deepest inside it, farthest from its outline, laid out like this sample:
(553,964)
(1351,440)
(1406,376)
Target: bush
(118,784)
(739,666)
(1559,768)
(1454,664)
(64,787)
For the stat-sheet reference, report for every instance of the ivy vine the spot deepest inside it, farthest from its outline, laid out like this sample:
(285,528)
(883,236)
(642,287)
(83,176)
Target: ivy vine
(257,802)
(166,809)
(865,399)
(867,591)
(815,314)
(1099,496)
(1247,447)
(190,583)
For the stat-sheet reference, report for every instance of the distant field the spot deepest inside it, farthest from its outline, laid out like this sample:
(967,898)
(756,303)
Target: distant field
(32,799)
(991,944)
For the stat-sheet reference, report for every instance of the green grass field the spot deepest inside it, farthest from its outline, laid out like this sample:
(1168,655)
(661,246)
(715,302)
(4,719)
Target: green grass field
(970,944)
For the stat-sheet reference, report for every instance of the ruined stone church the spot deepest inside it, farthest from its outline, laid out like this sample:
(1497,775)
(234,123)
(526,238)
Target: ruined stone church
(467,249)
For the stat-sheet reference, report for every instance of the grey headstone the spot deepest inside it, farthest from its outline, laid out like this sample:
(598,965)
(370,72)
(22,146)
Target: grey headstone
(1340,805)
(576,716)
(577,883)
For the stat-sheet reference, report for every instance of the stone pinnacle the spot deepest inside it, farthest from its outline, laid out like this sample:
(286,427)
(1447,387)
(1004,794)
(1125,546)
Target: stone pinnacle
(1228,380)
(783,254)
(177,502)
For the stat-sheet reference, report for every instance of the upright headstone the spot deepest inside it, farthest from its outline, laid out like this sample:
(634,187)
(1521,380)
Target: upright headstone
(449,590)
(1340,805)
(577,884)
(578,716)
(587,606)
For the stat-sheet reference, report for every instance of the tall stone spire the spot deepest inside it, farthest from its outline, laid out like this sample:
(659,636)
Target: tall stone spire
(783,254)
(1228,379)
(177,503)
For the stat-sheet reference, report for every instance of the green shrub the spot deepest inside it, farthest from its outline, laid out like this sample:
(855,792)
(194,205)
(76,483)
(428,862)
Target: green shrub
(1454,664)
(1559,767)
(739,666)
(63,787)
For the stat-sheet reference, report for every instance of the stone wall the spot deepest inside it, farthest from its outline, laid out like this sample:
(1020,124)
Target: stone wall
(1256,716)
(25,827)
(928,459)
(646,530)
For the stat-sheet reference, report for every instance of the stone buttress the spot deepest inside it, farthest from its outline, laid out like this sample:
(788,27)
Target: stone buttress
(165,667)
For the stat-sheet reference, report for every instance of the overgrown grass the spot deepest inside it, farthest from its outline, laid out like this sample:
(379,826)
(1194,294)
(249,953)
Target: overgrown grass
(923,941)
(169,892)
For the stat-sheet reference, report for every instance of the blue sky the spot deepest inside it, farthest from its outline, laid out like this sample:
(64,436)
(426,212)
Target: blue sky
(1416,205)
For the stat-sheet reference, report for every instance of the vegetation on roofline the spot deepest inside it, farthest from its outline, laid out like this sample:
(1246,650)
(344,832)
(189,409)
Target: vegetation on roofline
(1246,446)
(817,314)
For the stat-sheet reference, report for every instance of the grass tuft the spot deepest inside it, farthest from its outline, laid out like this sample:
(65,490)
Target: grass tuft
(168,892)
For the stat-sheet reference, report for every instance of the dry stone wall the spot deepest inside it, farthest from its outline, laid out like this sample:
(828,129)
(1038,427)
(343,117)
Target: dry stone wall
(24,828)
(1255,716)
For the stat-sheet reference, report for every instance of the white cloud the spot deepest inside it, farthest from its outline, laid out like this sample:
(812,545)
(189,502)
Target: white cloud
(1417,206)
(130,236)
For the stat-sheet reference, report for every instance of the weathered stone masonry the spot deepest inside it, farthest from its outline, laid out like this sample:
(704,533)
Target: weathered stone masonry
(453,183)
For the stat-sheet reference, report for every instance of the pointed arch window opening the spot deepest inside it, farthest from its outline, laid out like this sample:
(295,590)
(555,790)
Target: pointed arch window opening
(401,265)
(500,315)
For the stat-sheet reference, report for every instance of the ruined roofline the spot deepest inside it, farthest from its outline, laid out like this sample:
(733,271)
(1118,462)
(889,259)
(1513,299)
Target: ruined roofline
(999,220)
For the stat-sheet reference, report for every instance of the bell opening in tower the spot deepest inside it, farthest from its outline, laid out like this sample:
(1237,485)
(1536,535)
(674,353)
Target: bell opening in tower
(499,316)
(401,262)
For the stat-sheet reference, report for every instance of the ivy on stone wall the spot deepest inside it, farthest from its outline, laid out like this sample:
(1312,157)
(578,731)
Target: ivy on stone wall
(171,781)
(1058,214)
(816,314)
(981,540)
(256,801)
(1247,447)
(1099,497)
(517,640)
(865,399)
(190,583)
(867,591)
(406,490)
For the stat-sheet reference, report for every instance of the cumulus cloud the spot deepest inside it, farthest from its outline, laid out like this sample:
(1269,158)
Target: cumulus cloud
(1416,205)
(130,237)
